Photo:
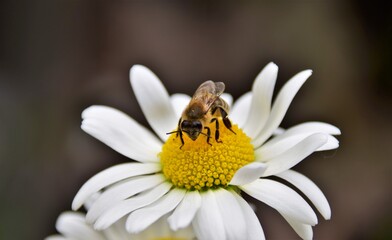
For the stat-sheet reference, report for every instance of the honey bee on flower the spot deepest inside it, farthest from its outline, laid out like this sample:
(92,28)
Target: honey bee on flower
(201,184)
(205,107)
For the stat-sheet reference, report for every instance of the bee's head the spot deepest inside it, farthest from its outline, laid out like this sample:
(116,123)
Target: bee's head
(192,128)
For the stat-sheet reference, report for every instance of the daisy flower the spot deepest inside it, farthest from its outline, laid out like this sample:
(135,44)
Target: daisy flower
(201,184)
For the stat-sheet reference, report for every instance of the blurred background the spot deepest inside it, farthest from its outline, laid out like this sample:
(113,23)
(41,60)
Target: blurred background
(59,57)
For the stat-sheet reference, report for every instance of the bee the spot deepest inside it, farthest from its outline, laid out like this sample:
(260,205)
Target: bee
(204,108)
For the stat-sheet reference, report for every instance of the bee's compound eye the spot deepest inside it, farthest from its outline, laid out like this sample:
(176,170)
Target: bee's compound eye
(197,125)
(186,124)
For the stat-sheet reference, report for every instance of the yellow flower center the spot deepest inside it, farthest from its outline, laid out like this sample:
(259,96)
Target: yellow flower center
(200,166)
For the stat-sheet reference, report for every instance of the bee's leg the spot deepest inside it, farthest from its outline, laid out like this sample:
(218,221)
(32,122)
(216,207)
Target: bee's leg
(226,120)
(213,110)
(182,140)
(223,112)
(179,129)
(227,123)
(208,135)
(216,129)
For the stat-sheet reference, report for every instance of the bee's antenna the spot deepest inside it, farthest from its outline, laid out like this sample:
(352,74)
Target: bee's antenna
(172,132)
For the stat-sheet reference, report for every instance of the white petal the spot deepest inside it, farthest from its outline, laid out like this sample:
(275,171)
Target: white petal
(115,194)
(254,229)
(228,98)
(282,198)
(89,201)
(110,176)
(208,222)
(280,106)
(153,100)
(307,127)
(293,155)
(303,230)
(248,173)
(231,212)
(120,132)
(129,205)
(278,131)
(332,143)
(119,142)
(179,101)
(310,190)
(240,110)
(185,211)
(262,91)
(142,218)
(293,135)
(271,150)
(72,225)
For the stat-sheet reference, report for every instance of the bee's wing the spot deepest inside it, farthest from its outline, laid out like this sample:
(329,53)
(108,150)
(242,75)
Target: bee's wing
(210,87)
(219,88)
(208,92)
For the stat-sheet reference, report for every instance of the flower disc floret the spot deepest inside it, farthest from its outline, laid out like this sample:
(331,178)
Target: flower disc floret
(199,165)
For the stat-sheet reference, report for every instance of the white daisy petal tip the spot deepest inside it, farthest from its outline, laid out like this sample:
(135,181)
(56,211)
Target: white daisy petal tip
(309,189)
(305,231)
(248,173)
(295,154)
(110,176)
(173,224)
(140,72)
(260,107)
(138,68)
(329,128)
(100,225)
(95,110)
(280,107)
(332,143)
(301,77)
(86,111)
(120,132)
(327,215)
(271,66)
(154,100)
(284,199)
(77,202)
